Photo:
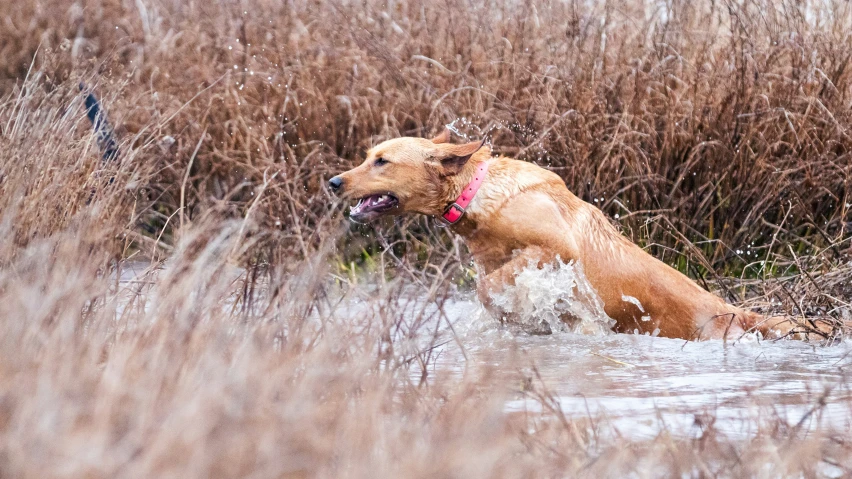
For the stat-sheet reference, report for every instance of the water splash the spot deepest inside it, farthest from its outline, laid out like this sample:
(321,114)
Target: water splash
(557,297)
(466,129)
(634,301)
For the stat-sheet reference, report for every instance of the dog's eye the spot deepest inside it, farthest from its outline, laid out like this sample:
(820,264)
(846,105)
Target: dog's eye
(380,162)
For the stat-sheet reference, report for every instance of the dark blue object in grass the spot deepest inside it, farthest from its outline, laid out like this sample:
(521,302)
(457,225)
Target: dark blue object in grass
(103,130)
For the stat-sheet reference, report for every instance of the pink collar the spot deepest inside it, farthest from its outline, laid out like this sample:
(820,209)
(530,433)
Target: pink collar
(454,212)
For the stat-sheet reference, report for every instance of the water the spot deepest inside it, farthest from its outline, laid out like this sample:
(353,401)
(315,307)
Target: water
(636,386)
(542,298)
(641,385)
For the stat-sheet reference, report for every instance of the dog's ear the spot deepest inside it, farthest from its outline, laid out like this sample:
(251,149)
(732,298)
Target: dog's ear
(443,137)
(454,157)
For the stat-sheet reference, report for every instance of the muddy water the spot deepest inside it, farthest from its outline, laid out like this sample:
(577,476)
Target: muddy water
(640,385)
(633,385)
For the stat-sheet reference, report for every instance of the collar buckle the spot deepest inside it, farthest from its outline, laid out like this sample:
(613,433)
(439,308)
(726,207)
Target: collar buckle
(451,215)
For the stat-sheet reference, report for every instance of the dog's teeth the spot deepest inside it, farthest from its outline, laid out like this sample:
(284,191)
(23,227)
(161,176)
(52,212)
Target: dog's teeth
(382,198)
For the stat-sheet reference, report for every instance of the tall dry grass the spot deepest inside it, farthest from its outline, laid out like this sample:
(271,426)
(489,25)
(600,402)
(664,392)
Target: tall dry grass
(717,132)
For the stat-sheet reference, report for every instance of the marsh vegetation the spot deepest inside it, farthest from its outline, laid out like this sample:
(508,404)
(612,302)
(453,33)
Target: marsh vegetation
(198,305)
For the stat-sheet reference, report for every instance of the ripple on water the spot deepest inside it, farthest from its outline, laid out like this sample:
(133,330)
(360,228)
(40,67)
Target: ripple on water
(642,384)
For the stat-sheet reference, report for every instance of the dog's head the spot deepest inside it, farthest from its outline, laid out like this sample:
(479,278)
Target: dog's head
(406,175)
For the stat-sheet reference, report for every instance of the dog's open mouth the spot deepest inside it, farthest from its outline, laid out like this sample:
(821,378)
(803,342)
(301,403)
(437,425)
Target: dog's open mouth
(373,206)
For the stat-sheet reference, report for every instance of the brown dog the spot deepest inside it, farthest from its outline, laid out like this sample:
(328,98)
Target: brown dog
(520,213)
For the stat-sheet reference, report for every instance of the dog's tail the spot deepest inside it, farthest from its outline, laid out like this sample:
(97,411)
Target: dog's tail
(104,133)
(105,136)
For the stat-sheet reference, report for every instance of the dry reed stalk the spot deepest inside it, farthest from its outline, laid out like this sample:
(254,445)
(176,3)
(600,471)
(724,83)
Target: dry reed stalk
(730,120)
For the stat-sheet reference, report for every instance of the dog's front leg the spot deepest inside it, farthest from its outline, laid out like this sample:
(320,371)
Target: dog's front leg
(494,292)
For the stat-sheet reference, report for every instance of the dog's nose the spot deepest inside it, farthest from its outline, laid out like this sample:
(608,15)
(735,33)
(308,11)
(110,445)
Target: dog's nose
(335,183)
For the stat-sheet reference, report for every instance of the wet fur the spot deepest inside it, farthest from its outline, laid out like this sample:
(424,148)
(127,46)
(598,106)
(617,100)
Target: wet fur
(524,213)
